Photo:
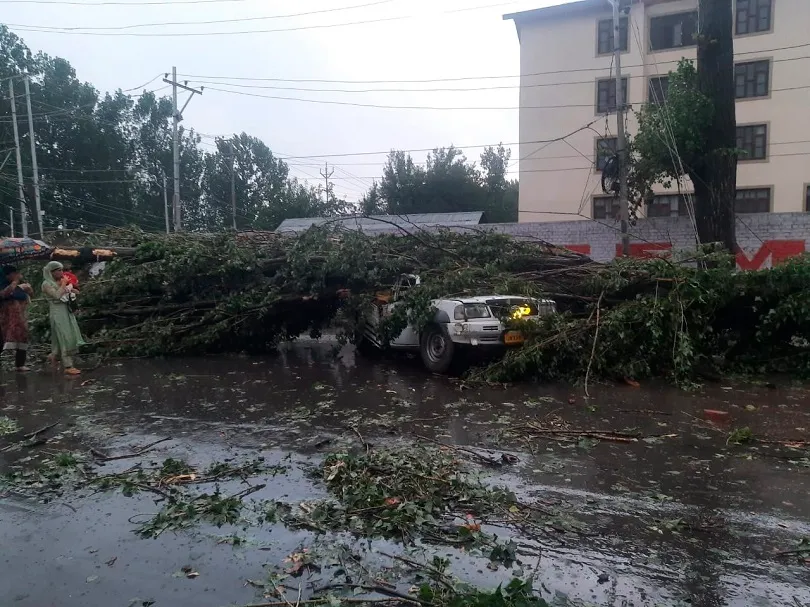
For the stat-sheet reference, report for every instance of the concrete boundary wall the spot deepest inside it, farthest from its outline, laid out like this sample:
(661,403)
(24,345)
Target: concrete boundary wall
(763,239)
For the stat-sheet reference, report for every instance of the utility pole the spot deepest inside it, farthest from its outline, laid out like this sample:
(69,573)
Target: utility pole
(11,221)
(177,116)
(37,201)
(20,187)
(326,174)
(233,185)
(166,204)
(621,136)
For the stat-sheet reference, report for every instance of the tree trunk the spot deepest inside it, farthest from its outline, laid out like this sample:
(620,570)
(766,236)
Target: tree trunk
(715,176)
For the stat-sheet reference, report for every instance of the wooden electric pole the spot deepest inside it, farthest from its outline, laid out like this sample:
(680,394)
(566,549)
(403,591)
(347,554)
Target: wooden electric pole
(20,186)
(621,136)
(177,116)
(37,201)
(327,174)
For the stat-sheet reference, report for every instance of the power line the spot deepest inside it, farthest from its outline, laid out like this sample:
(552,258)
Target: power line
(433,90)
(108,213)
(147,83)
(65,29)
(400,107)
(467,78)
(262,31)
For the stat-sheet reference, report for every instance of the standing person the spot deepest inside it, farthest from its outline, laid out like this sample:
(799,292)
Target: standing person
(65,335)
(14,298)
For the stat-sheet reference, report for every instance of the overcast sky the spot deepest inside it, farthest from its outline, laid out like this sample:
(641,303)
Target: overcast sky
(404,40)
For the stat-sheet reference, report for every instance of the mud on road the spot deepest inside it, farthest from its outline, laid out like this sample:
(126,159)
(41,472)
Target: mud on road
(645,500)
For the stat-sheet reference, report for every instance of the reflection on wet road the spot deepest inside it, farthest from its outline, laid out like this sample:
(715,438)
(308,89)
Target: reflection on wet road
(677,517)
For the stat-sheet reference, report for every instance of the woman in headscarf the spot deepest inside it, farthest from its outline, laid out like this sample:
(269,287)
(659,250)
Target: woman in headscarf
(14,297)
(65,335)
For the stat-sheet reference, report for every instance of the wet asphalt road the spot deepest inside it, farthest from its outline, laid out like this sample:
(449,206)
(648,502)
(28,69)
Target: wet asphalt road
(676,518)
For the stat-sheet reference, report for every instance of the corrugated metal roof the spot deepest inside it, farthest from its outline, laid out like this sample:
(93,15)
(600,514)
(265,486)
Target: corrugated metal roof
(384,223)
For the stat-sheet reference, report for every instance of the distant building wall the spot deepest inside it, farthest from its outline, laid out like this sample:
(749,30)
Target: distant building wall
(561,66)
(763,239)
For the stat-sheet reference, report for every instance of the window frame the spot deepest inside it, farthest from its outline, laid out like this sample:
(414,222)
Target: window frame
(614,206)
(652,49)
(622,20)
(767,61)
(680,198)
(609,110)
(752,158)
(597,149)
(767,188)
(739,34)
(650,90)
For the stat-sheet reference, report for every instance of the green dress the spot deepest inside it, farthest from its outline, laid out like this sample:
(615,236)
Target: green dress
(66,338)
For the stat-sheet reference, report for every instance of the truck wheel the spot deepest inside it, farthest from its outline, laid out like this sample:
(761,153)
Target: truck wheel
(437,349)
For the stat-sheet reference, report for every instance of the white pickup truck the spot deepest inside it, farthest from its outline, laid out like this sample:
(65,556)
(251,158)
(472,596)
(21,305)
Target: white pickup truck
(459,323)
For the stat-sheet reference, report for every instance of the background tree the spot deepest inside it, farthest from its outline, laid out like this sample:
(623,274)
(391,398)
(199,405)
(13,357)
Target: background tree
(447,184)
(102,159)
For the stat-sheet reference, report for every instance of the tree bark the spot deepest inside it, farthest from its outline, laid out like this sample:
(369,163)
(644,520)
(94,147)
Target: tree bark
(715,174)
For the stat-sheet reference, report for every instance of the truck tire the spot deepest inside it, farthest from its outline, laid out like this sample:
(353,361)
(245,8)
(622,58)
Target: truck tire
(437,349)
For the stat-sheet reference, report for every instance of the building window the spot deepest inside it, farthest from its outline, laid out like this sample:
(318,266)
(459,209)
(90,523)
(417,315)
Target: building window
(752,140)
(753,200)
(605,35)
(752,79)
(807,198)
(605,207)
(606,95)
(658,89)
(673,31)
(605,148)
(753,16)
(665,205)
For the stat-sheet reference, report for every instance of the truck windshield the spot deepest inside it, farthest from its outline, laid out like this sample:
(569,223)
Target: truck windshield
(476,310)
(507,306)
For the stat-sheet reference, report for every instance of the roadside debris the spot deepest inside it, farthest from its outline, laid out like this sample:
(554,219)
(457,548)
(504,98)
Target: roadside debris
(8,426)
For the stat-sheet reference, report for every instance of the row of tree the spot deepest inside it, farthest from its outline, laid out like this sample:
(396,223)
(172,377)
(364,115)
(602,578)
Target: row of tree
(103,158)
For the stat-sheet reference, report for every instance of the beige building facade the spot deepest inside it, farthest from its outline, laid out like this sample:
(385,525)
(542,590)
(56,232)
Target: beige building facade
(567,94)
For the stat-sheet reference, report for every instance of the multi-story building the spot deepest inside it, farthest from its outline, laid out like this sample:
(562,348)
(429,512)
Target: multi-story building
(567,81)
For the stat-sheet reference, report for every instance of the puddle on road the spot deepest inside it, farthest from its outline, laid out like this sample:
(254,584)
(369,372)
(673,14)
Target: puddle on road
(680,518)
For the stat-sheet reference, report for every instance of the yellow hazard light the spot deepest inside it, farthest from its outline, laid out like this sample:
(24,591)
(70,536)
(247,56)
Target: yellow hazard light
(521,311)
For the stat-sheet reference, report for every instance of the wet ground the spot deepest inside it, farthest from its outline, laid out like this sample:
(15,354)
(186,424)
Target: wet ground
(676,517)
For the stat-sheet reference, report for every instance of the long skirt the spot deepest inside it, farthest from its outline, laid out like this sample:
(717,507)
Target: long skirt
(14,324)
(65,334)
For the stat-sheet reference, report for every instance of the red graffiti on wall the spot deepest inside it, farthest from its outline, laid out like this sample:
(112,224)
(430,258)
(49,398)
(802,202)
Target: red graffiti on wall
(771,252)
(585,249)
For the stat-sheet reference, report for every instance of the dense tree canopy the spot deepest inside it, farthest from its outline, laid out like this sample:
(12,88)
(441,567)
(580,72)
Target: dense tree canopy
(103,159)
(447,183)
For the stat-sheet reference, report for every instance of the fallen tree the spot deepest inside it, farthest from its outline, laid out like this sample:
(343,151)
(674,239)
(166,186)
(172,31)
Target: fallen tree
(194,294)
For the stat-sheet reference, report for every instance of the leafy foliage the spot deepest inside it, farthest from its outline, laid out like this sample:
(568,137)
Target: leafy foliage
(448,183)
(670,136)
(655,317)
(658,318)
(193,294)
(401,493)
(518,593)
(8,426)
